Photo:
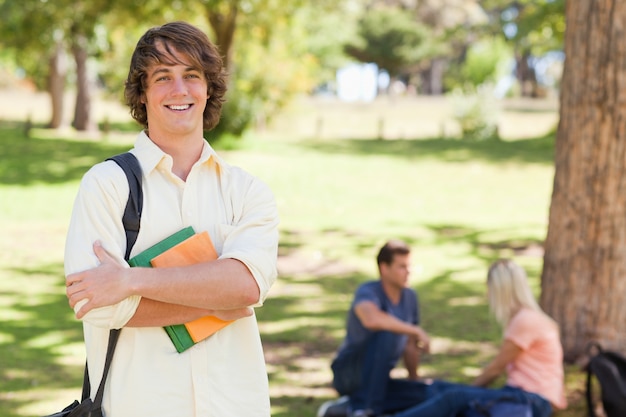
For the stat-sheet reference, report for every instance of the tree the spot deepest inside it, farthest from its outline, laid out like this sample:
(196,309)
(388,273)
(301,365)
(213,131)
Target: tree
(455,25)
(533,27)
(584,272)
(264,45)
(23,33)
(83,19)
(36,29)
(392,39)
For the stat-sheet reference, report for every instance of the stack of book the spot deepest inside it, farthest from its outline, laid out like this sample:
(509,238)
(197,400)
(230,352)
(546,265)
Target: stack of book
(184,247)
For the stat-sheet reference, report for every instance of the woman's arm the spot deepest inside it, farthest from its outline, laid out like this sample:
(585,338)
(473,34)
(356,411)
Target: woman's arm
(507,354)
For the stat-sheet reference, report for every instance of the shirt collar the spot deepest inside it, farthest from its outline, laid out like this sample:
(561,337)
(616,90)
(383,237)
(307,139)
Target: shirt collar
(150,155)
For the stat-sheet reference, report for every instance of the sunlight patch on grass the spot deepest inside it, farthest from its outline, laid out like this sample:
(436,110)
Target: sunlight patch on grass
(15,373)
(281,288)
(470,371)
(39,401)
(47,339)
(6,338)
(71,354)
(466,301)
(447,346)
(297,323)
(11,314)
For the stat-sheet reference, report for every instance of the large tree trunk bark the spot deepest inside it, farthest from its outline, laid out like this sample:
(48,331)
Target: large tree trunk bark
(82,110)
(56,85)
(584,272)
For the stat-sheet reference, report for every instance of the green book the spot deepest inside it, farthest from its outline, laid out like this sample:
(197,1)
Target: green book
(178,332)
(144,258)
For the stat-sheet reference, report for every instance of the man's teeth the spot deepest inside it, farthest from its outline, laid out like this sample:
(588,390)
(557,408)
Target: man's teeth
(183,107)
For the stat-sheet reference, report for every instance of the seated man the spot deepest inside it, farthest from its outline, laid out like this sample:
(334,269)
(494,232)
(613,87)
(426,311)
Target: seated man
(382,326)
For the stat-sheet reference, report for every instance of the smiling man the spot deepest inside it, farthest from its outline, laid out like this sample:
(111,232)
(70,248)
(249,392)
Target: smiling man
(175,90)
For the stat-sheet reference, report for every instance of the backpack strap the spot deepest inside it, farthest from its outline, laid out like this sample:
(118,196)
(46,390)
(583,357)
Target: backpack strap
(131,221)
(591,412)
(590,347)
(134,206)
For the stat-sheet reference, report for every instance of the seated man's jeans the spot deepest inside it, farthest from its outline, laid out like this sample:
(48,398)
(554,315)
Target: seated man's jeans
(378,392)
(454,398)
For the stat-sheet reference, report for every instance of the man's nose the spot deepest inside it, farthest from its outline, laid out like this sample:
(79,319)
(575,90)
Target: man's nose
(179,86)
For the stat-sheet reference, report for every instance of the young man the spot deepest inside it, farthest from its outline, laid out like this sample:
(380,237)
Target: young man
(382,326)
(175,89)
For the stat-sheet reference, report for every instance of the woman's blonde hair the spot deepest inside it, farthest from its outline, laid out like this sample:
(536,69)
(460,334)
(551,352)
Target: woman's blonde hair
(509,290)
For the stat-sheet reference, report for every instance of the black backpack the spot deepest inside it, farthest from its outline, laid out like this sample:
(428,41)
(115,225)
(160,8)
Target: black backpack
(609,369)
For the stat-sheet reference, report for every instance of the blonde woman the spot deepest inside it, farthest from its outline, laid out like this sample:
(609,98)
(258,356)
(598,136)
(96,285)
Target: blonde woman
(530,354)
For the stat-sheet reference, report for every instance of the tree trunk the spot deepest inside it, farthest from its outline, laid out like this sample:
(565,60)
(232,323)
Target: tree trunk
(584,272)
(82,111)
(526,75)
(56,85)
(224,22)
(432,78)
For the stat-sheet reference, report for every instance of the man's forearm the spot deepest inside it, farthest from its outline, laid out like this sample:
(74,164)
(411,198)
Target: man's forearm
(223,284)
(151,313)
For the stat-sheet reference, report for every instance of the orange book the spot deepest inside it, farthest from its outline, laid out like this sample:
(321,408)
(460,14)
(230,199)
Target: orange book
(194,249)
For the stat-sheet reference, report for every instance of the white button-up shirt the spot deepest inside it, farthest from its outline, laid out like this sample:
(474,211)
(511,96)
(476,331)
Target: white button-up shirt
(222,376)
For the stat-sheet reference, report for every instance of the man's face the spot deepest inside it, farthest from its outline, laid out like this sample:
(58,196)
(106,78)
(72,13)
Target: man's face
(397,273)
(175,98)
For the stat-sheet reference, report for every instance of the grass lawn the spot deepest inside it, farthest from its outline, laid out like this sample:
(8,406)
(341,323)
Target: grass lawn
(459,204)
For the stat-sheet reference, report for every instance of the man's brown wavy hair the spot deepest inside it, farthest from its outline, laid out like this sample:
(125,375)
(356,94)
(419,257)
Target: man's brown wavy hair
(189,41)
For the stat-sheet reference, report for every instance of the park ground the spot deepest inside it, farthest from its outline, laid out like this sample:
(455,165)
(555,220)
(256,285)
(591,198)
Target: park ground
(347,176)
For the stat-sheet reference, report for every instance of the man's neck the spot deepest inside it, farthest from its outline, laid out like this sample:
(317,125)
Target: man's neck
(184,150)
(392,292)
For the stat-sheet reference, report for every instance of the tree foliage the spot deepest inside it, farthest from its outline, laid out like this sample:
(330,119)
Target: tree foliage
(267,45)
(275,48)
(392,39)
(532,27)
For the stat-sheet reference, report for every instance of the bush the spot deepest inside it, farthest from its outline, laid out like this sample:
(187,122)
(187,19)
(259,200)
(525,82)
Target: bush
(476,111)
(486,61)
(238,114)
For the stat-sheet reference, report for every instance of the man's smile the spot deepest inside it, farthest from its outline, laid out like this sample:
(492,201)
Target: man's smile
(180,107)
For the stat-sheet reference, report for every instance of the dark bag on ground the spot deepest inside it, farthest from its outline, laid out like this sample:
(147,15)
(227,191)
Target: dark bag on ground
(609,369)
(498,408)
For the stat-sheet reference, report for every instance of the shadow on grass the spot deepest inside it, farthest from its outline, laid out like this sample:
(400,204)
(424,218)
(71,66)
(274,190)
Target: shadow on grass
(31,352)
(300,327)
(538,150)
(27,160)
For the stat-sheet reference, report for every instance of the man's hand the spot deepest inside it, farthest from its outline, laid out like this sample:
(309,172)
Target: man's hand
(101,286)
(423,341)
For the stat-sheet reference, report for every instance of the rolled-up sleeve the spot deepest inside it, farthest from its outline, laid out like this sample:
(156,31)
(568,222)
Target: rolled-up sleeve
(97,215)
(253,236)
